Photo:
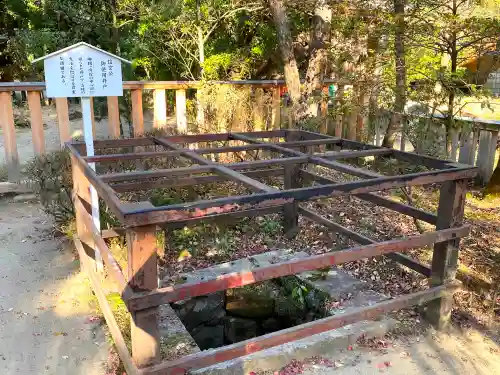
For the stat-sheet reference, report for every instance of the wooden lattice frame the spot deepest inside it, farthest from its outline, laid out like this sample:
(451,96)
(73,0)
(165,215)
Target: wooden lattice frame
(140,291)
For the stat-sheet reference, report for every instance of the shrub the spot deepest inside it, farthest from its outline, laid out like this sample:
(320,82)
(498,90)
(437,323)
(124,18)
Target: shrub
(51,179)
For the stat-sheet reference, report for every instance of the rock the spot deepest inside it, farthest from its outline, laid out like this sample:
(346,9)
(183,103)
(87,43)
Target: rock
(315,300)
(208,337)
(289,311)
(239,329)
(250,308)
(271,325)
(199,310)
(25,198)
(255,301)
(74,115)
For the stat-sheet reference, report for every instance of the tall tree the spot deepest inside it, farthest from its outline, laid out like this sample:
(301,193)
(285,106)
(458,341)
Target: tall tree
(400,84)
(303,104)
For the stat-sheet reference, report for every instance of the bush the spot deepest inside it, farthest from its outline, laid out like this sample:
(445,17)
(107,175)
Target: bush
(51,179)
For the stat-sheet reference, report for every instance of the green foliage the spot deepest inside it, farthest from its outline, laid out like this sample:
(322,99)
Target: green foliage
(4,175)
(51,179)
(270,226)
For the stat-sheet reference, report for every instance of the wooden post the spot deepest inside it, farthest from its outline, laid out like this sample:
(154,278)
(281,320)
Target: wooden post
(63,120)
(486,154)
(35,107)
(324,111)
(258,110)
(491,156)
(454,143)
(137,115)
(92,116)
(81,191)
(468,149)
(445,255)
(113,117)
(276,109)
(160,109)
(291,180)
(9,136)
(180,110)
(339,104)
(142,276)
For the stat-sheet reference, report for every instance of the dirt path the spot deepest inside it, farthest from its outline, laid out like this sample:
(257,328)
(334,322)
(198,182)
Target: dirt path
(46,322)
(457,353)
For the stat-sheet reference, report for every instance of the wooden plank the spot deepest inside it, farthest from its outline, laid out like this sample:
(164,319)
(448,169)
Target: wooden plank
(259,118)
(276,109)
(143,275)
(345,168)
(359,238)
(189,181)
(37,135)
(129,85)
(231,174)
(103,190)
(233,280)
(137,113)
(9,136)
(445,255)
(112,266)
(381,201)
(145,155)
(400,258)
(209,357)
(180,111)
(160,109)
(113,327)
(128,176)
(240,177)
(63,120)
(184,211)
(336,155)
(113,117)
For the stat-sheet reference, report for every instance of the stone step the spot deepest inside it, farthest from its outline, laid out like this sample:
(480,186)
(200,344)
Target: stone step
(326,343)
(334,283)
(175,341)
(240,265)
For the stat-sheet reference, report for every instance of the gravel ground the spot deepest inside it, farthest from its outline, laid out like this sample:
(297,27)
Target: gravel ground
(46,324)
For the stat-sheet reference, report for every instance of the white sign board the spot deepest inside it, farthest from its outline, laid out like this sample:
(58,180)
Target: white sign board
(82,71)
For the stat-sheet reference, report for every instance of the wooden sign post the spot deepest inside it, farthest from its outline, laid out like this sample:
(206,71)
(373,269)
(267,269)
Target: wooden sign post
(84,71)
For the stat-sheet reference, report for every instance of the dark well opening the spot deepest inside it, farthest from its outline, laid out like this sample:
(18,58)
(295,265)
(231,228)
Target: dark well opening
(239,314)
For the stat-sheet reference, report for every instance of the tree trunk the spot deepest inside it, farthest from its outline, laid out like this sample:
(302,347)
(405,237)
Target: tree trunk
(285,43)
(200,113)
(493,186)
(400,94)
(320,37)
(450,123)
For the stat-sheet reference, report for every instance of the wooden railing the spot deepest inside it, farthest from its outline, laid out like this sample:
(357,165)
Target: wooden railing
(464,146)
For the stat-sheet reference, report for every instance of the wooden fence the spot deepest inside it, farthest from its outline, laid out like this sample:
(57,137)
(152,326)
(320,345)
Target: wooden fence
(465,143)
(295,158)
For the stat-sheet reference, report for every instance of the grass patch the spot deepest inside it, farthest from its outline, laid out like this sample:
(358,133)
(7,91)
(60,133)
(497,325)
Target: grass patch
(4,175)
